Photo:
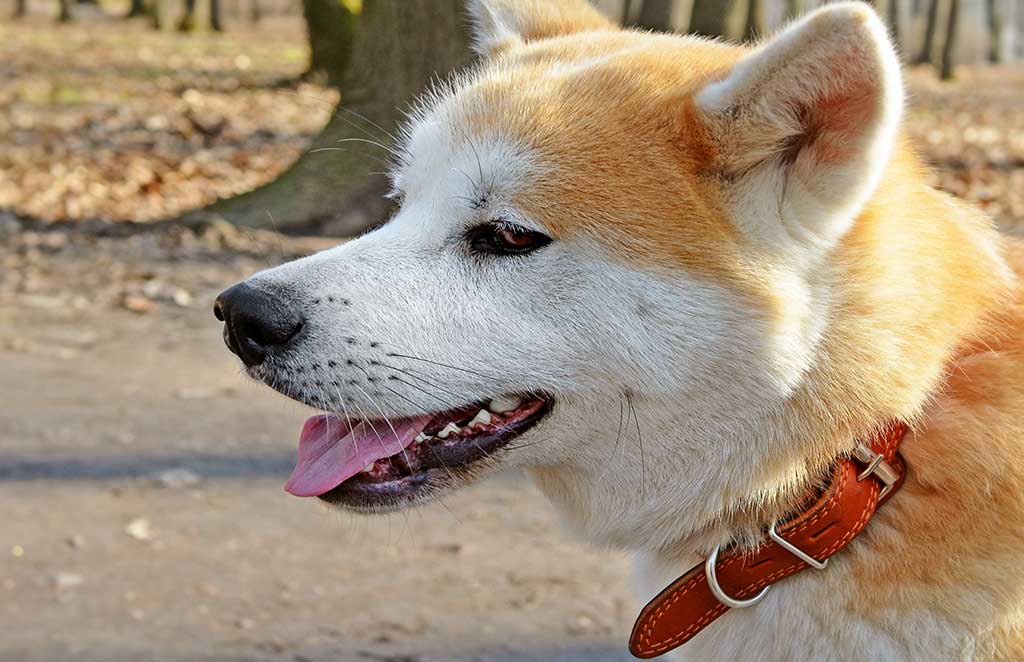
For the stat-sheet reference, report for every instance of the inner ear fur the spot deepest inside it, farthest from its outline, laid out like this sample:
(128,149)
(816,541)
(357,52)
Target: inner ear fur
(810,118)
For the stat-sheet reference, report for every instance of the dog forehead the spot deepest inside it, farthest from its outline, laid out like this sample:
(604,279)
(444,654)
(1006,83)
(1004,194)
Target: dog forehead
(590,136)
(598,130)
(443,159)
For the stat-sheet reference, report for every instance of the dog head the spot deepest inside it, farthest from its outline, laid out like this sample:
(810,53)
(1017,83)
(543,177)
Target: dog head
(604,269)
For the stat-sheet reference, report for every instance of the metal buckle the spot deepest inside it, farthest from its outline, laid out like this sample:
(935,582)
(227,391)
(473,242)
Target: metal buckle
(796,551)
(720,595)
(877,467)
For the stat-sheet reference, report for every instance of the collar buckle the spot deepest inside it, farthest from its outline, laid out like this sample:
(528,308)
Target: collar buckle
(877,466)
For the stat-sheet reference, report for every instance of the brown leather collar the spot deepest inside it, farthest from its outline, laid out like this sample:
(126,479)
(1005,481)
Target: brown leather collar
(739,578)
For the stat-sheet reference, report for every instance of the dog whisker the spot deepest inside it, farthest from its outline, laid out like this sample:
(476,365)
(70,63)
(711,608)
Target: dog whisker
(432,451)
(386,420)
(444,365)
(640,441)
(447,404)
(421,379)
(615,448)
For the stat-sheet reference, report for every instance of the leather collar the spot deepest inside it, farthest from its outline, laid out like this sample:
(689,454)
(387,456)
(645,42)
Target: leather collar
(858,486)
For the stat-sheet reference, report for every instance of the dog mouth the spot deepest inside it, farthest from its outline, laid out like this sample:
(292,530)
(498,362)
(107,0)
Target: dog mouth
(382,464)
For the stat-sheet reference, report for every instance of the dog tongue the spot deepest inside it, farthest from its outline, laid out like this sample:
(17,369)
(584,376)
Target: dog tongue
(330,455)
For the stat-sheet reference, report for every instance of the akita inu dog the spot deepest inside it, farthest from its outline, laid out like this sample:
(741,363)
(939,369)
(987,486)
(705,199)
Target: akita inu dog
(700,293)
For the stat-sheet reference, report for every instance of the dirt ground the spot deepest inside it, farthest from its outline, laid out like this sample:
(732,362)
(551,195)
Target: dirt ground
(143,513)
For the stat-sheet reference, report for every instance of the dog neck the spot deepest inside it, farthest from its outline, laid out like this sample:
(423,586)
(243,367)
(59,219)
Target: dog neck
(916,278)
(921,293)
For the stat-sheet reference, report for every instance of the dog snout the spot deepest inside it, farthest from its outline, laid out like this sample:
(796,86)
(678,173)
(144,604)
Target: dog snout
(256,321)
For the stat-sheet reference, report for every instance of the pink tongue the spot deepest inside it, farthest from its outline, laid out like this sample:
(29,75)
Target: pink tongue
(330,455)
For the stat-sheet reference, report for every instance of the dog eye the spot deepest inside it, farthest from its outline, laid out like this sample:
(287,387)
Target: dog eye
(505,239)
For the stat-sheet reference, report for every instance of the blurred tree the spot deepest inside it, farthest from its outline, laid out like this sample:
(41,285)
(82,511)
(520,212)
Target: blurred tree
(136,8)
(196,17)
(655,15)
(396,48)
(894,16)
(949,43)
(160,14)
(20,9)
(925,55)
(626,18)
(201,15)
(330,27)
(255,11)
(795,8)
(216,23)
(1001,25)
(756,22)
(719,18)
(64,11)
(658,15)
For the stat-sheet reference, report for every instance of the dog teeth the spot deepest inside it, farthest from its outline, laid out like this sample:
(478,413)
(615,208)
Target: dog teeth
(368,468)
(421,437)
(483,417)
(504,404)
(448,430)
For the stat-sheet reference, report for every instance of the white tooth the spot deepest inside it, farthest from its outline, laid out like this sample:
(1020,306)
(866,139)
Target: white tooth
(483,417)
(449,429)
(368,468)
(421,437)
(505,403)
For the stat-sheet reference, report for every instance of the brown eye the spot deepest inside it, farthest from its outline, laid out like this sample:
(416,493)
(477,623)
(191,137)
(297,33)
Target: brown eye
(505,239)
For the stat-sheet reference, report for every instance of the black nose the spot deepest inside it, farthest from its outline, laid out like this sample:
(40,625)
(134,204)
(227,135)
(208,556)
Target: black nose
(255,321)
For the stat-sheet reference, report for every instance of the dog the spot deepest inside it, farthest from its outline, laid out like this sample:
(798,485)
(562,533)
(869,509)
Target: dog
(682,285)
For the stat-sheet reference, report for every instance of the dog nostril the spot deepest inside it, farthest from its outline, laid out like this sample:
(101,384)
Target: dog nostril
(255,321)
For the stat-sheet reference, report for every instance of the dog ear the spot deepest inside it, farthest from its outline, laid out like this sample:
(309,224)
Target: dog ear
(498,25)
(804,126)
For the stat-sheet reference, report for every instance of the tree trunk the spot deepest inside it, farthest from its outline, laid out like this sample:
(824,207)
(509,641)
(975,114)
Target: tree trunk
(949,45)
(627,12)
(659,15)
(655,15)
(187,21)
(1000,29)
(64,11)
(755,23)
(255,11)
(20,9)
(719,18)
(216,24)
(136,8)
(330,28)
(196,17)
(931,27)
(160,13)
(1014,21)
(896,21)
(399,46)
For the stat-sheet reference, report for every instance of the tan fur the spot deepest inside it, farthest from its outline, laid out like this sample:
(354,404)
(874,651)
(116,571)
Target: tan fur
(926,317)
